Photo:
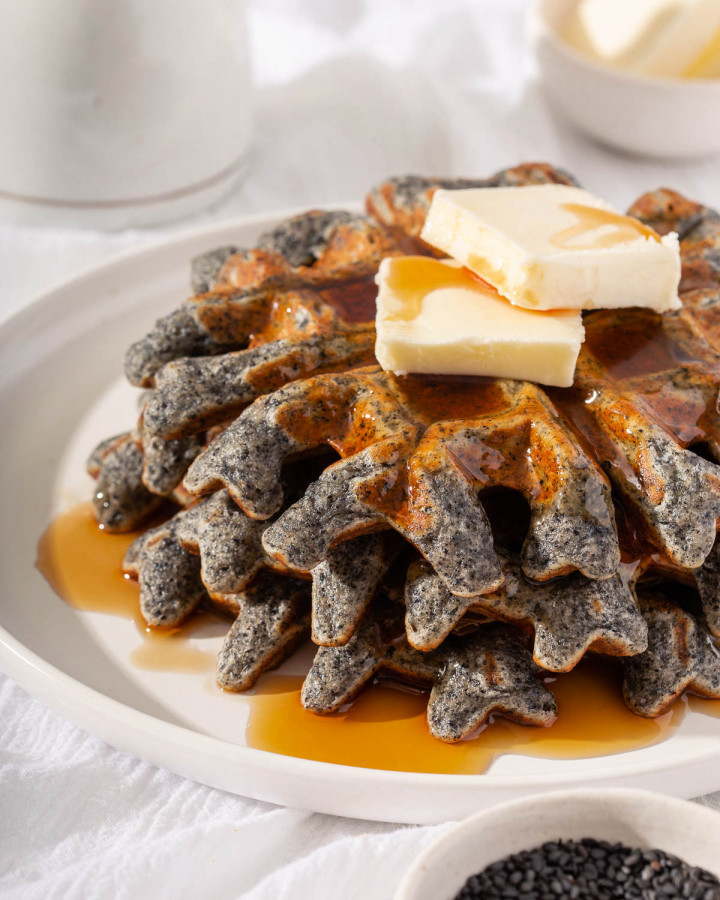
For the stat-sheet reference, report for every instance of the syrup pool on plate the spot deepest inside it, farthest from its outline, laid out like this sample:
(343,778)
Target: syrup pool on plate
(385,726)
(83,565)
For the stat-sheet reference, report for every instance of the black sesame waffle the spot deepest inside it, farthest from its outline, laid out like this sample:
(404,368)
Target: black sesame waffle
(301,302)
(619,509)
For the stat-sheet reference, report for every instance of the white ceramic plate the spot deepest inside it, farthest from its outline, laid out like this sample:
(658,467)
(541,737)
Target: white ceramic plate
(60,392)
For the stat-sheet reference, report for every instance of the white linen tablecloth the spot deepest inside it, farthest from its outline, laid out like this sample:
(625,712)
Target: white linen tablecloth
(348,92)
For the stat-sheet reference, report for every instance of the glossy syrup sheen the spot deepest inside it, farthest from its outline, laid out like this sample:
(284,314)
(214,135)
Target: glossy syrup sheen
(599,229)
(633,342)
(411,278)
(353,300)
(385,727)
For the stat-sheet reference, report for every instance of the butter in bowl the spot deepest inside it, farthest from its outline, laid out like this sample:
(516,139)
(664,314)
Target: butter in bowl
(642,77)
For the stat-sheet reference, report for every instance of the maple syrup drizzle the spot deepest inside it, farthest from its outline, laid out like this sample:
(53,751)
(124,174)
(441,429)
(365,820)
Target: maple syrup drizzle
(632,342)
(353,300)
(592,224)
(412,278)
(385,727)
(83,565)
(705,706)
(170,651)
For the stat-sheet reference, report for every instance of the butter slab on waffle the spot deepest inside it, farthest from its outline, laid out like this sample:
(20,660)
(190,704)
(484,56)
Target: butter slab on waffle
(434,317)
(555,247)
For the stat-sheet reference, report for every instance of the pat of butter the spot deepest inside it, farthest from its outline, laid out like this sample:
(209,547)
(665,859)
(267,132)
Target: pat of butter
(669,38)
(617,32)
(555,247)
(689,46)
(435,317)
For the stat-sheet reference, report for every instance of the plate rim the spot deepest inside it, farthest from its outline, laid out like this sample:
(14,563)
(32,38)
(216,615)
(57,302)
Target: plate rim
(37,676)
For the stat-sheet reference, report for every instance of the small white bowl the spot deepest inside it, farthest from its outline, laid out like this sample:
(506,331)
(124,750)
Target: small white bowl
(662,117)
(638,819)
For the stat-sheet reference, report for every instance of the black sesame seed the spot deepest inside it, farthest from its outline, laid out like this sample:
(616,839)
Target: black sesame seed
(590,870)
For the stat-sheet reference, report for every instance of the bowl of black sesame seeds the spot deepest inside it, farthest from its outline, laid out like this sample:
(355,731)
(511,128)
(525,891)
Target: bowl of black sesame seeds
(601,844)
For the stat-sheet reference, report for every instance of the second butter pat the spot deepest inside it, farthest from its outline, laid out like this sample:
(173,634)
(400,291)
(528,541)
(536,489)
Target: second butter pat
(434,317)
(667,38)
(555,247)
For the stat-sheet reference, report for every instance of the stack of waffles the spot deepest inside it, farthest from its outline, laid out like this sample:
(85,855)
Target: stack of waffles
(470,535)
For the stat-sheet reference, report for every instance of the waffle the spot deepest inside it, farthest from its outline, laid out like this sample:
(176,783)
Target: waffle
(299,303)
(270,315)
(121,501)
(398,556)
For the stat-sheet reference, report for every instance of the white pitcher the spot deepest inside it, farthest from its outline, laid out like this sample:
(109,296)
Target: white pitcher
(117,113)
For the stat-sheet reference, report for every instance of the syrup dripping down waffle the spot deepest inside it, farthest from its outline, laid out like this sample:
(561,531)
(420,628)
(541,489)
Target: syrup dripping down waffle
(390,558)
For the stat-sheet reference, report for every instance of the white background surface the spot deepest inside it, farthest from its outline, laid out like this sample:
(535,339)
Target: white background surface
(348,92)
